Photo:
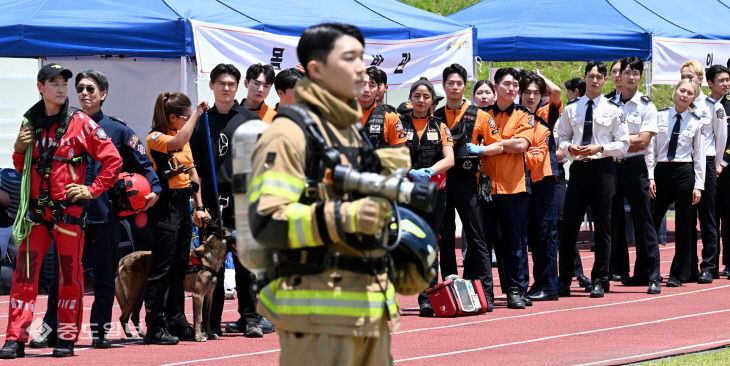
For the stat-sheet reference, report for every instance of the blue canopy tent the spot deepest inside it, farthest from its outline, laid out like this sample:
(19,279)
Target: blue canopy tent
(30,28)
(525,30)
(705,19)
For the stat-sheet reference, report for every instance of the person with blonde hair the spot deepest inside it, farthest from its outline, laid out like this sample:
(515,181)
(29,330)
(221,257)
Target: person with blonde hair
(679,175)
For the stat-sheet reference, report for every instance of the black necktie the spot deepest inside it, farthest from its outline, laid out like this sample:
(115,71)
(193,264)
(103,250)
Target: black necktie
(672,151)
(588,125)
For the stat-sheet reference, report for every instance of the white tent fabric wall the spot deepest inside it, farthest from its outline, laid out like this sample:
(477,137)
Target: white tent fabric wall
(134,83)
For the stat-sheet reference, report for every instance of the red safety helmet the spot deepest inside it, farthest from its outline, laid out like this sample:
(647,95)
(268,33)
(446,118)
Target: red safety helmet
(130,192)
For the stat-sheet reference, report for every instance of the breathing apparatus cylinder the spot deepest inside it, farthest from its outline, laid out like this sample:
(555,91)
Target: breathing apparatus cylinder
(252,255)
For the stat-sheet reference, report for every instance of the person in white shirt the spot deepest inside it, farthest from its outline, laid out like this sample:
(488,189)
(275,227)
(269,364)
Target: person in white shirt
(714,130)
(592,129)
(679,175)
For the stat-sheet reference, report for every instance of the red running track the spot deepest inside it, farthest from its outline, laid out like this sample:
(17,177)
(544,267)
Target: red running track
(625,326)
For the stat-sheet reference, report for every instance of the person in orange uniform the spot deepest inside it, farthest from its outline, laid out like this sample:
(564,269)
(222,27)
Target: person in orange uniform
(510,185)
(432,154)
(259,79)
(461,191)
(542,236)
(382,126)
(168,147)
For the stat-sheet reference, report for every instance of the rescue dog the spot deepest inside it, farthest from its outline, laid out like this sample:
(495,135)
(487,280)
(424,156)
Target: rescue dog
(131,279)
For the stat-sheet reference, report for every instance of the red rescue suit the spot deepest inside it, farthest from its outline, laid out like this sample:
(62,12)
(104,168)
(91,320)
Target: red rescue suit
(83,136)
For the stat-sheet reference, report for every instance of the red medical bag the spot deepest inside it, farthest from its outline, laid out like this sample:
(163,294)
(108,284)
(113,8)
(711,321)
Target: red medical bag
(457,297)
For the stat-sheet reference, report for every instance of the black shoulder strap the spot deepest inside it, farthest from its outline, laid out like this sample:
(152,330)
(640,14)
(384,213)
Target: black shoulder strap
(316,143)
(440,113)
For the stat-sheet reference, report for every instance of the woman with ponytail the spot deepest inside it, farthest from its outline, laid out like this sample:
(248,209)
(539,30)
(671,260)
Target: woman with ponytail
(167,145)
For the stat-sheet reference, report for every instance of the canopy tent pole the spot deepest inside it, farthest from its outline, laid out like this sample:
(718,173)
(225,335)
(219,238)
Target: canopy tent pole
(647,72)
(184,74)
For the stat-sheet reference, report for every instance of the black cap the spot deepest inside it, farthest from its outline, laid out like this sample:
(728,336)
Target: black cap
(50,71)
(405,107)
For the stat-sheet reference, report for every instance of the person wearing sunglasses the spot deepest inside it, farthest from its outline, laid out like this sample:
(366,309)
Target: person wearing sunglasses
(223,118)
(167,145)
(103,230)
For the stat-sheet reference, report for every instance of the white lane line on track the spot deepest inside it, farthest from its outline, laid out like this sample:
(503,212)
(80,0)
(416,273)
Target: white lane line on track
(476,322)
(563,335)
(668,351)
(82,349)
(561,310)
(222,357)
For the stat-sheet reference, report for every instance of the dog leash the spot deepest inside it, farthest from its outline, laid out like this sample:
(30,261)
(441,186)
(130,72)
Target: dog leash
(212,170)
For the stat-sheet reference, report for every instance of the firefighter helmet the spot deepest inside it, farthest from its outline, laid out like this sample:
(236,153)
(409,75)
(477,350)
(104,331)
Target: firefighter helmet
(417,246)
(130,193)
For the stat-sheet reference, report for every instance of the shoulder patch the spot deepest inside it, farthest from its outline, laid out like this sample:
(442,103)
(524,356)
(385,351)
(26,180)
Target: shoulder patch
(531,120)
(645,99)
(141,149)
(573,101)
(155,135)
(133,141)
(100,133)
(117,120)
(721,113)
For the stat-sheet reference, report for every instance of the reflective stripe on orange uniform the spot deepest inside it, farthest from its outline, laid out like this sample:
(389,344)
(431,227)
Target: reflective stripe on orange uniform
(394,134)
(508,171)
(157,141)
(539,165)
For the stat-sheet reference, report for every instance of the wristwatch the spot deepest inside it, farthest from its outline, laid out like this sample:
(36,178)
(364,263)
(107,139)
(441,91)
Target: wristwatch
(200,208)
(601,148)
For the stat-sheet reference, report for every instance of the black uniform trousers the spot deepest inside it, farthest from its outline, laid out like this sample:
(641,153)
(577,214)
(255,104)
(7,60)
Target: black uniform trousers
(706,211)
(170,255)
(591,182)
(461,194)
(632,182)
(674,183)
(508,213)
(562,187)
(244,280)
(723,210)
(542,235)
(102,241)
(434,220)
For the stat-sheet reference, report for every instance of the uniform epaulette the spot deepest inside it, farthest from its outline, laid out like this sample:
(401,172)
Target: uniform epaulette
(117,119)
(614,102)
(695,115)
(664,109)
(645,99)
(692,105)
(711,99)
(521,107)
(573,100)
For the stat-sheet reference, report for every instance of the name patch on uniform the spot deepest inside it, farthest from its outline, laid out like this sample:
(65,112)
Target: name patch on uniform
(432,136)
(100,133)
(155,135)
(409,135)
(374,128)
(133,141)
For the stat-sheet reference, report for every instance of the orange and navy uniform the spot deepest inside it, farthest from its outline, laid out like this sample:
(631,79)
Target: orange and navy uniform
(421,132)
(392,129)
(177,161)
(264,112)
(507,171)
(539,165)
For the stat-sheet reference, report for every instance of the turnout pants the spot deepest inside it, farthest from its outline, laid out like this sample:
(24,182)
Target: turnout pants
(674,183)
(461,194)
(70,243)
(102,241)
(542,235)
(706,211)
(170,254)
(591,182)
(632,182)
(310,349)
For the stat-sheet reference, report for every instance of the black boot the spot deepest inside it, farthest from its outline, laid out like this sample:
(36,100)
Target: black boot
(159,335)
(12,349)
(63,348)
(46,339)
(514,298)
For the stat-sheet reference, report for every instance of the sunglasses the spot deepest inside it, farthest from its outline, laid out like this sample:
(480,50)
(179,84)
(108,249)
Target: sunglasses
(89,89)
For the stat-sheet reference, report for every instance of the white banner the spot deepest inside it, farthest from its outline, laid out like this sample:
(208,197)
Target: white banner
(668,54)
(403,60)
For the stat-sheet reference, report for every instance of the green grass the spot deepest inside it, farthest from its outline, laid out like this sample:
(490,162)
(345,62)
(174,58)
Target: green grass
(560,72)
(713,358)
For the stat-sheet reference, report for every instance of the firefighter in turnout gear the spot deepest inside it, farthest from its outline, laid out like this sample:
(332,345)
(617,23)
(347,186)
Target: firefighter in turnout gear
(61,138)
(330,298)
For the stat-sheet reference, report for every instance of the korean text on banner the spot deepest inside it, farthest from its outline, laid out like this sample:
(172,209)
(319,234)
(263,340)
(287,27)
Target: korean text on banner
(670,53)
(405,61)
